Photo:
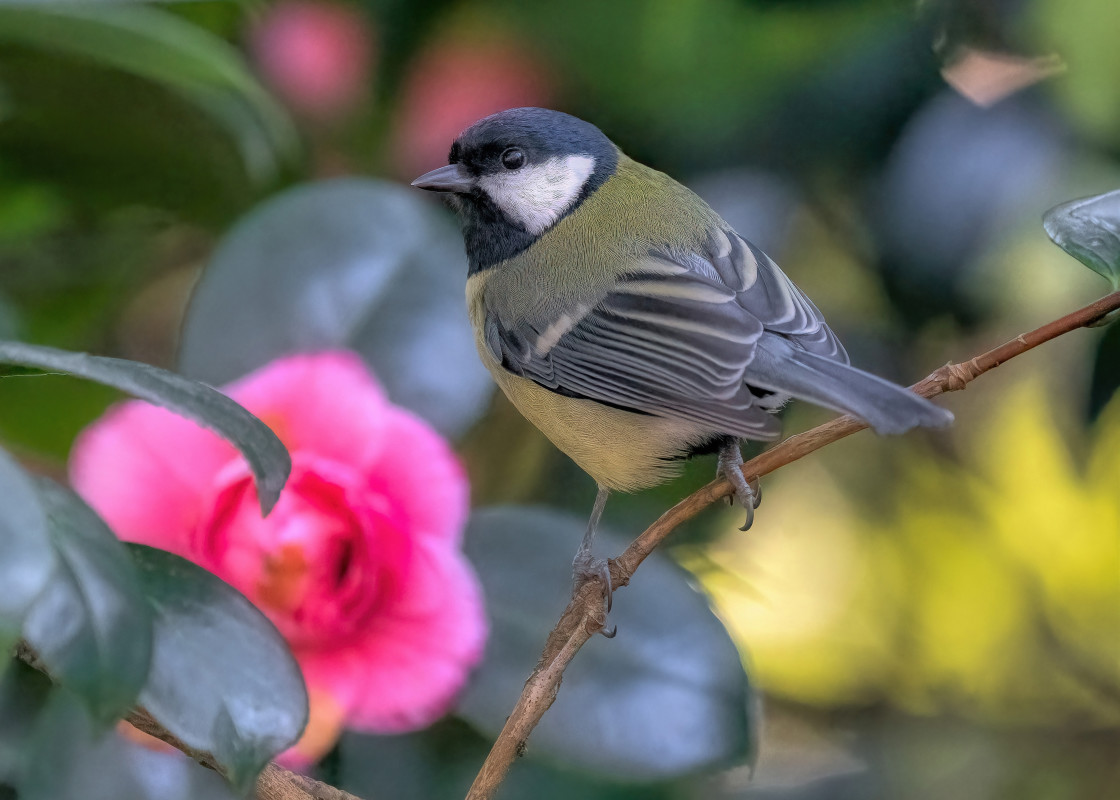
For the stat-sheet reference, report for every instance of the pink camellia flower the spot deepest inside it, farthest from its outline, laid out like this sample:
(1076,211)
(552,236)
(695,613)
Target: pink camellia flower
(359,565)
(317,56)
(455,82)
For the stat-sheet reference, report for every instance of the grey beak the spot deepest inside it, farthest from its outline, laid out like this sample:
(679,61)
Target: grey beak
(452,178)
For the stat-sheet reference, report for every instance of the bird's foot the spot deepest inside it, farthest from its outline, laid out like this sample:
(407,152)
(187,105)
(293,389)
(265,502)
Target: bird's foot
(587,567)
(748,493)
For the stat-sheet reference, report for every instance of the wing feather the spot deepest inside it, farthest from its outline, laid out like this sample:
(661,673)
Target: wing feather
(673,338)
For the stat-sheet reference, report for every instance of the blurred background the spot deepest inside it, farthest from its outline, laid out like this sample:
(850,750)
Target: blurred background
(204,185)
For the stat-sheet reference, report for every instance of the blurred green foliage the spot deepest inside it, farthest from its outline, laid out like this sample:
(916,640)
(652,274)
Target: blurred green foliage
(929,617)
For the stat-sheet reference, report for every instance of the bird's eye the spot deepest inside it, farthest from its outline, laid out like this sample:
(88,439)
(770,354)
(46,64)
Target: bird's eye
(513,158)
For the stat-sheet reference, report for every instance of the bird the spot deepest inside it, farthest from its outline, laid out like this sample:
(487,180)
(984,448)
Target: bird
(628,321)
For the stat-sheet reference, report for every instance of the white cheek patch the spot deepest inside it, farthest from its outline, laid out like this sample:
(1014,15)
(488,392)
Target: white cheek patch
(538,195)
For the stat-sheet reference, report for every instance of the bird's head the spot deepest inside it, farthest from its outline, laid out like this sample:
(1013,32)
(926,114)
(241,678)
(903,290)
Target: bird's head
(513,175)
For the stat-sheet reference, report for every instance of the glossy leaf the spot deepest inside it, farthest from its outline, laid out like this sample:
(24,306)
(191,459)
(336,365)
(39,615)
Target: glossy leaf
(222,677)
(352,263)
(90,625)
(71,758)
(1089,230)
(26,556)
(160,46)
(267,457)
(667,696)
(442,761)
(23,695)
(1106,372)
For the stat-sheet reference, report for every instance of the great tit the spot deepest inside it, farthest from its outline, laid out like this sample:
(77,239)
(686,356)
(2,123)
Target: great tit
(625,319)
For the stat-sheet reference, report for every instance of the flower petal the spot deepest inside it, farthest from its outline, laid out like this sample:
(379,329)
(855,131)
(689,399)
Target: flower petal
(407,669)
(423,477)
(324,725)
(145,470)
(327,402)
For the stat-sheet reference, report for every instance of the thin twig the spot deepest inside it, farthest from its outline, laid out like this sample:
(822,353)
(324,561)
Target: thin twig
(274,783)
(584,614)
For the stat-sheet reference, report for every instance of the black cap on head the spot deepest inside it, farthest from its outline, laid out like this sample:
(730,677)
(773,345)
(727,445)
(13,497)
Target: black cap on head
(541,133)
(515,174)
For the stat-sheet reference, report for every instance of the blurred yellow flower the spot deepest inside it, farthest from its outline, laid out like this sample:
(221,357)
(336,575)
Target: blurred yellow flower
(992,590)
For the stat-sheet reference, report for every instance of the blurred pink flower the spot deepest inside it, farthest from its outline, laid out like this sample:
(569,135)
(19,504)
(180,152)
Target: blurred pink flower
(318,56)
(453,83)
(359,565)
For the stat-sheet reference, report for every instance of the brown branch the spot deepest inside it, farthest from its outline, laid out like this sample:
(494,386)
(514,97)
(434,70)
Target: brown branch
(274,783)
(584,614)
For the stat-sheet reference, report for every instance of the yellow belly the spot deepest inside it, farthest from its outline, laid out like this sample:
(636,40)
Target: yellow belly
(621,450)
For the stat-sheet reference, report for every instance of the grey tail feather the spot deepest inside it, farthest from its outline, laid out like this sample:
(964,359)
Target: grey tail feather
(887,407)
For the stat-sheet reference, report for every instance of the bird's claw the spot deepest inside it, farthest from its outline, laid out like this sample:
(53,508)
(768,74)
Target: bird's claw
(748,504)
(748,493)
(587,567)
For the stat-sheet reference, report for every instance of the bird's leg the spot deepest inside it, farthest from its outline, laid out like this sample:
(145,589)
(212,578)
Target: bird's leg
(730,467)
(586,567)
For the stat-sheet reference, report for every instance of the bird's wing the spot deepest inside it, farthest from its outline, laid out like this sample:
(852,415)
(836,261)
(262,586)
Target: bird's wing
(672,338)
(764,291)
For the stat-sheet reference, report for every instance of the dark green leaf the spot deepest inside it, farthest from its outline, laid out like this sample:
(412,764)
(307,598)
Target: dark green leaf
(23,695)
(667,696)
(71,123)
(351,263)
(1106,372)
(71,758)
(264,452)
(26,557)
(162,47)
(442,761)
(409,765)
(1089,230)
(90,625)
(222,677)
